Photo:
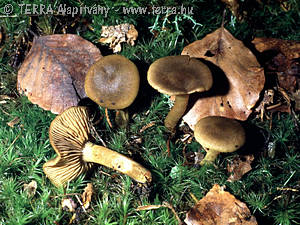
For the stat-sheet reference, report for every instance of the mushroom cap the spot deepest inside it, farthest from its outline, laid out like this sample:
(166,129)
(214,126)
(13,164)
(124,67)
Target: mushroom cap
(68,133)
(178,75)
(112,82)
(219,133)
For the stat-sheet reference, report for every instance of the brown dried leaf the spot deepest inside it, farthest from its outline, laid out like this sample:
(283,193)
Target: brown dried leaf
(115,35)
(234,94)
(219,207)
(239,166)
(52,74)
(287,71)
(13,122)
(87,195)
(291,49)
(30,188)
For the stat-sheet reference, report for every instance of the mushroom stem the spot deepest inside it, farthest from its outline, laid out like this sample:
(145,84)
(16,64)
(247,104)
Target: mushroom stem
(177,111)
(109,158)
(122,118)
(210,156)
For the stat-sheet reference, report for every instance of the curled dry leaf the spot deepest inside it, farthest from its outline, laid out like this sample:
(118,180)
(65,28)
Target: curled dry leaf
(53,73)
(14,121)
(219,207)
(234,92)
(239,166)
(115,35)
(87,195)
(30,188)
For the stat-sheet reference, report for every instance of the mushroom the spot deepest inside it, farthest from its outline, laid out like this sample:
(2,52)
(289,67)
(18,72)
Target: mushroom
(218,134)
(70,136)
(113,82)
(179,76)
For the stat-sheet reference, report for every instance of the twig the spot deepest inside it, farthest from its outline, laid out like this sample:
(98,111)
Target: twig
(13,141)
(107,118)
(147,126)
(168,147)
(94,132)
(194,197)
(168,205)
(273,106)
(165,204)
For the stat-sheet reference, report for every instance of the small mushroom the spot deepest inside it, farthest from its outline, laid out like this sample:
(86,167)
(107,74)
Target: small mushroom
(218,134)
(179,76)
(70,136)
(113,82)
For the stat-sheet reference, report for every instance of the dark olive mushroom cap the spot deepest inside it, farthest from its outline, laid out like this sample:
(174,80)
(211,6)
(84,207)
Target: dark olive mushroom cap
(112,82)
(68,134)
(177,75)
(220,134)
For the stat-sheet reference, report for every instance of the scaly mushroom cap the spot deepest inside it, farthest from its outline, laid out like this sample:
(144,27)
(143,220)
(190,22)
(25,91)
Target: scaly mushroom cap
(219,133)
(68,134)
(112,82)
(179,75)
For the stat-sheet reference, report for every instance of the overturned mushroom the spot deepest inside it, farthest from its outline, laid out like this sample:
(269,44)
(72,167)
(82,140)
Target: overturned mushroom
(70,136)
(218,134)
(113,82)
(179,76)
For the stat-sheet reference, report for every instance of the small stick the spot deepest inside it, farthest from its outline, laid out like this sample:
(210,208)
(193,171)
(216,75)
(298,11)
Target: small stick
(107,118)
(168,147)
(273,106)
(165,204)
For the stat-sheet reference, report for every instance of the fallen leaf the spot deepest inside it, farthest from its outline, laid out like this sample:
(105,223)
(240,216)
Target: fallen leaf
(53,73)
(87,195)
(14,121)
(287,71)
(115,35)
(239,166)
(30,188)
(219,207)
(68,204)
(291,49)
(236,88)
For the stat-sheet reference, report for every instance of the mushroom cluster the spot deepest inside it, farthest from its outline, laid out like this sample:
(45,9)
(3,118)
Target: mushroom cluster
(180,76)
(113,83)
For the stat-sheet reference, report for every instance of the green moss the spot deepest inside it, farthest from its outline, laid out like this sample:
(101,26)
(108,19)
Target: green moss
(270,189)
